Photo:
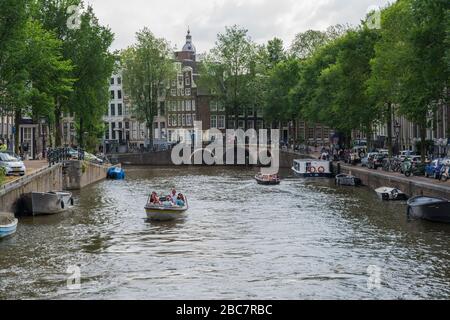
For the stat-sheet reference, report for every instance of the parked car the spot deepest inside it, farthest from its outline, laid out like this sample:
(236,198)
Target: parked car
(12,165)
(405,154)
(376,161)
(365,160)
(434,168)
(90,157)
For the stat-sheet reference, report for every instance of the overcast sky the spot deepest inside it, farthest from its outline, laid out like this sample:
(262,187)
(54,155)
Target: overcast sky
(264,19)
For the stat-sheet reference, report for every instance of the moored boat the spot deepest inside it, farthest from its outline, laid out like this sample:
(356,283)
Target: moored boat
(116,173)
(267,180)
(45,203)
(391,194)
(8,224)
(347,180)
(429,208)
(165,212)
(312,169)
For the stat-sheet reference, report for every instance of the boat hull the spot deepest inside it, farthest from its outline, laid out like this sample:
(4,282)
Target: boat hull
(267,182)
(164,214)
(312,175)
(9,229)
(50,203)
(434,211)
(388,194)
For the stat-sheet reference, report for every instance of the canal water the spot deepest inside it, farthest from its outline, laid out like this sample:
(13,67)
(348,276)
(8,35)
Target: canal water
(304,239)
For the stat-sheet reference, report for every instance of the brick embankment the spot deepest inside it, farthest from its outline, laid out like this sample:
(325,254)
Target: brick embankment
(412,186)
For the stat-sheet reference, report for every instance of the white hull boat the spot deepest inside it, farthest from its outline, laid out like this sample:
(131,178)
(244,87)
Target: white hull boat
(165,213)
(391,194)
(8,225)
(47,203)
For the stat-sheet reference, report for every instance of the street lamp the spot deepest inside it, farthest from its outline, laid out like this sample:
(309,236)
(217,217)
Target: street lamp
(397,128)
(44,134)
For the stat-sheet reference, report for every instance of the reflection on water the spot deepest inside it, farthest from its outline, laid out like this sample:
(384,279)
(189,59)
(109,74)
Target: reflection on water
(303,239)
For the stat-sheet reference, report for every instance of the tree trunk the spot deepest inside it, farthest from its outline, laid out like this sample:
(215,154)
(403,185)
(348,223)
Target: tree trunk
(389,130)
(17,118)
(58,129)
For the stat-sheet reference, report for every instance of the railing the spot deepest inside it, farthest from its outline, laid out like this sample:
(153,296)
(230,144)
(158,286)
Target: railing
(59,155)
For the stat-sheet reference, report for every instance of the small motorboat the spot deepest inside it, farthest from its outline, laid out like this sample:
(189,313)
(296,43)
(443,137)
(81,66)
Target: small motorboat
(312,169)
(165,211)
(391,194)
(267,180)
(429,208)
(347,180)
(116,173)
(45,203)
(8,224)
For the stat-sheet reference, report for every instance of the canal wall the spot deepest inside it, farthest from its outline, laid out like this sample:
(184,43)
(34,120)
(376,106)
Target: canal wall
(163,158)
(44,180)
(411,186)
(79,174)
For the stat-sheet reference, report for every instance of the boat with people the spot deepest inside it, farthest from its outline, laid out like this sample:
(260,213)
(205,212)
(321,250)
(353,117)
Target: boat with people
(391,194)
(267,180)
(45,203)
(166,208)
(347,180)
(312,169)
(8,224)
(429,208)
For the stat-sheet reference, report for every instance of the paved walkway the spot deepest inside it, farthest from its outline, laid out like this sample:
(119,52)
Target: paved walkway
(32,166)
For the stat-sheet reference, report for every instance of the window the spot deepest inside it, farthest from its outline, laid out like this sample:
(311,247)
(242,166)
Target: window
(156,125)
(179,120)
(184,120)
(259,124)
(174,83)
(113,96)
(107,131)
(193,105)
(250,124)
(179,105)
(162,108)
(187,80)
(213,106)
(231,124)
(119,94)
(119,80)
(173,92)
(188,105)
(189,120)
(220,106)
(180,80)
(183,106)
(113,110)
(119,109)
(113,130)
(221,122)
(213,121)
(251,112)
(127,125)
(112,80)
(241,124)
(187,91)
(180,92)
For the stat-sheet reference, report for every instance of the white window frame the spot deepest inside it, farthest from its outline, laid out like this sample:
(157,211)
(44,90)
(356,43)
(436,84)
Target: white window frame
(213,122)
(221,122)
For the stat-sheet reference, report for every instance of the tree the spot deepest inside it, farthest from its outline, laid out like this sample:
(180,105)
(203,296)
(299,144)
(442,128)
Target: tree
(229,71)
(147,67)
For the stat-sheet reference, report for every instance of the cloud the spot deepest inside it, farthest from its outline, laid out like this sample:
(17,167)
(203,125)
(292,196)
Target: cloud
(263,18)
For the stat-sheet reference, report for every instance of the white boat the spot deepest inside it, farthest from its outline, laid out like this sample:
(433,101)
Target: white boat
(161,212)
(8,225)
(387,194)
(347,180)
(312,169)
(46,203)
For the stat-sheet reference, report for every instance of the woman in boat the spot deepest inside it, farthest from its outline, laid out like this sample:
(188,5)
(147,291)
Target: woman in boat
(180,200)
(154,199)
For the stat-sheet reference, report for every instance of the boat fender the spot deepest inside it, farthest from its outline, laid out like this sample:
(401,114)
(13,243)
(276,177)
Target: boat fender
(71,201)
(62,204)
(321,170)
(312,170)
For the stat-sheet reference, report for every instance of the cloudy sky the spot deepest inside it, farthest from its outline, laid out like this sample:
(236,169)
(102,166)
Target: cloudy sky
(264,19)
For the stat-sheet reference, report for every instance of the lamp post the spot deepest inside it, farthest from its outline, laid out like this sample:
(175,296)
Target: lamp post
(44,134)
(397,128)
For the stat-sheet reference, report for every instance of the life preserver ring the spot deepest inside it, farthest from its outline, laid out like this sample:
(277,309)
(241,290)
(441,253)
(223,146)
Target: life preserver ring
(321,170)
(312,170)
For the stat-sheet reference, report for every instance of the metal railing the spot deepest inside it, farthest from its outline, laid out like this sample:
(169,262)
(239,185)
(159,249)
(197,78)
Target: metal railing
(59,155)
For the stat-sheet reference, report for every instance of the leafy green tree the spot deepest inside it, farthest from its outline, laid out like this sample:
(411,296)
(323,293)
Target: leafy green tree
(147,67)
(230,72)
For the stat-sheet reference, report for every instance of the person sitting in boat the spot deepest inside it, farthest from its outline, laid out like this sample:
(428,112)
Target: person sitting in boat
(167,201)
(154,199)
(174,196)
(180,200)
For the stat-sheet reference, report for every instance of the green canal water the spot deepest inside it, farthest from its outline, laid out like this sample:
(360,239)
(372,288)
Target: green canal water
(303,239)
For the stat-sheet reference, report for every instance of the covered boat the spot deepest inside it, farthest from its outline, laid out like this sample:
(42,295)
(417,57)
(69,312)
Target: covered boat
(312,169)
(116,173)
(165,212)
(391,194)
(347,180)
(267,180)
(8,224)
(45,203)
(429,208)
